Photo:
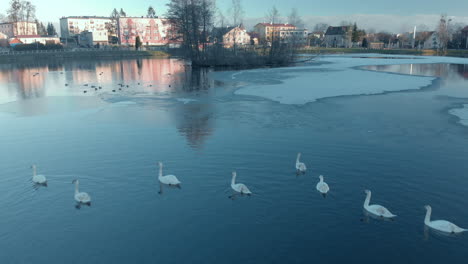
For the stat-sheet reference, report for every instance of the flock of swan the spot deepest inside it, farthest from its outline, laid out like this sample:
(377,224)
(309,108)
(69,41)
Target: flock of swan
(322,187)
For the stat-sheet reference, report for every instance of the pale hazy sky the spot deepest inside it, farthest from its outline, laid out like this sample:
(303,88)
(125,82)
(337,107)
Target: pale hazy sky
(393,15)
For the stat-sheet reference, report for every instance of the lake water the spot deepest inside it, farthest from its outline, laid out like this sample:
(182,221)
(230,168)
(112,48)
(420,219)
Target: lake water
(404,146)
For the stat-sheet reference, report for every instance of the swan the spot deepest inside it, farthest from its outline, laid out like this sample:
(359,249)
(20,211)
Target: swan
(39,179)
(376,209)
(441,225)
(322,186)
(239,187)
(81,197)
(300,167)
(167,179)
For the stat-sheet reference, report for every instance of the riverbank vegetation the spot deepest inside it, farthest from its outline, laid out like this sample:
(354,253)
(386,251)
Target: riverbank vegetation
(195,20)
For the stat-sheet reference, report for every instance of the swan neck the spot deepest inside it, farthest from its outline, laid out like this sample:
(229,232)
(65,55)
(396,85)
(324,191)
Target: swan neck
(77,187)
(427,220)
(34,171)
(160,170)
(367,201)
(233,181)
(298,157)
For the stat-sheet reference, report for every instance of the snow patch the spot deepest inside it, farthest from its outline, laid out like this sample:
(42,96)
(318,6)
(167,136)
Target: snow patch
(461,113)
(339,77)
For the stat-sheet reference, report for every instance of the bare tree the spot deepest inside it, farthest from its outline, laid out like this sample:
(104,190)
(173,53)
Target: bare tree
(443,32)
(2,18)
(321,27)
(237,12)
(221,19)
(193,19)
(295,19)
(273,15)
(14,12)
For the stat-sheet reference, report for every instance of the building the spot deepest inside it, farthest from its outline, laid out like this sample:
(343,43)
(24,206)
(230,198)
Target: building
(254,38)
(266,31)
(338,37)
(73,26)
(427,40)
(3,40)
(152,31)
(376,45)
(18,28)
(30,39)
(230,36)
(465,36)
(85,39)
(294,36)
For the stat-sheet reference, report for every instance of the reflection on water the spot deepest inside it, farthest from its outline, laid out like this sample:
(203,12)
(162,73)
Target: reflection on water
(152,78)
(74,78)
(447,71)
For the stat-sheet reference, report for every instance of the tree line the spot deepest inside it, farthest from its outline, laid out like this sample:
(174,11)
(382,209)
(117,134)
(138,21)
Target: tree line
(25,11)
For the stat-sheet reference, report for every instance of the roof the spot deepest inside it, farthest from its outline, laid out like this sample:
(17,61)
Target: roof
(219,32)
(275,25)
(86,17)
(15,41)
(28,36)
(336,30)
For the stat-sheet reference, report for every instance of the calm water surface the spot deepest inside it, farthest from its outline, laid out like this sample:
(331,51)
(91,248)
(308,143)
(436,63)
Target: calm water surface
(403,146)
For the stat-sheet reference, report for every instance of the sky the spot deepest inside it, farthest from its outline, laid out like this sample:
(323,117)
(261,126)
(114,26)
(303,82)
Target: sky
(390,15)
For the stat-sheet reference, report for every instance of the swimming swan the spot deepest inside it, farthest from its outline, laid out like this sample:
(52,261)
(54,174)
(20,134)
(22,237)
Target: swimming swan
(81,197)
(39,179)
(168,179)
(300,167)
(441,225)
(239,187)
(376,209)
(322,186)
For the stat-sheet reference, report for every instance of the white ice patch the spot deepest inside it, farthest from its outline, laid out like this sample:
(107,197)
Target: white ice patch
(461,113)
(186,100)
(339,78)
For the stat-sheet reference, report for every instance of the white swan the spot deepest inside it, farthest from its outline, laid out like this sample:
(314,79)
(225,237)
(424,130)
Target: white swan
(322,186)
(376,209)
(167,179)
(39,179)
(300,167)
(441,225)
(81,197)
(239,187)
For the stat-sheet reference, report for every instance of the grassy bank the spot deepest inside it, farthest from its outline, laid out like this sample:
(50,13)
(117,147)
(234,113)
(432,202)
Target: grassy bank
(452,53)
(78,55)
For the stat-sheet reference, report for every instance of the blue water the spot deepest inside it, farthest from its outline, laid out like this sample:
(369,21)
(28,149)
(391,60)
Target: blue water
(403,146)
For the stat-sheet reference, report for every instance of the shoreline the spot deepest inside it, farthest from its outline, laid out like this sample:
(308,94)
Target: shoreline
(25,57)
(415,52)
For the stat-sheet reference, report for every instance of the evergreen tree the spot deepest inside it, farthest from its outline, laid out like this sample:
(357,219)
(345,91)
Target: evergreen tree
(365,44)
(115,14)
(151,12)
(51,30)
(122,13)
(137,43)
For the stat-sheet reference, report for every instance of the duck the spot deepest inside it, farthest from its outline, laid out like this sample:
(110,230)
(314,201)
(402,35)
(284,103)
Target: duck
(38,179)
(300,167)
(322,186)
(81,197)
(239,187)
(170,180)
(376,209)
(441,225)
